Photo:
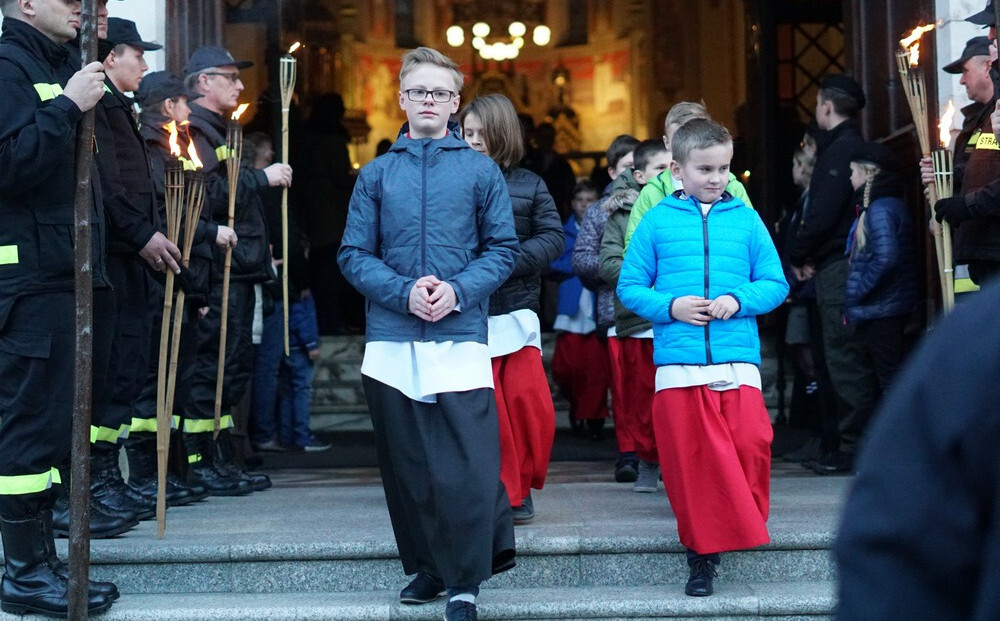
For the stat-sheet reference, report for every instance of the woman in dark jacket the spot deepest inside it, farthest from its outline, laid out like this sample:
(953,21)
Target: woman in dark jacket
(882,279)
(524,401)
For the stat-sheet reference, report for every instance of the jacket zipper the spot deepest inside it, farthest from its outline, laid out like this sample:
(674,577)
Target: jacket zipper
(423,226)
(704,233)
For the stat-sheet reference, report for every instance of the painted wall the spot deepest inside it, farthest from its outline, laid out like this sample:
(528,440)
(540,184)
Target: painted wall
(150,17)
(950,36)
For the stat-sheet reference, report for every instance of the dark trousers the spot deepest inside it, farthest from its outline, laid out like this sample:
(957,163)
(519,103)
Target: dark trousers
(440,466)
(887,342)
(847,360)
(239,354)
(129,358)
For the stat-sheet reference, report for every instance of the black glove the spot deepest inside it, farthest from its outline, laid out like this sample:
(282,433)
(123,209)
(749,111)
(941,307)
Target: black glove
(955,210)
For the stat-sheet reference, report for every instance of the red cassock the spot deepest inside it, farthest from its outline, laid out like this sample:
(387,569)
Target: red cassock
(527,421)
(715,456)
(580,368)
(634,421)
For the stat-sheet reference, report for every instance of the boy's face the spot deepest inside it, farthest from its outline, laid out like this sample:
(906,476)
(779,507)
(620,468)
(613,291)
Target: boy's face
(582,200)
(126,67)
(656,164)
(625,162)
(705,174)
(428,118)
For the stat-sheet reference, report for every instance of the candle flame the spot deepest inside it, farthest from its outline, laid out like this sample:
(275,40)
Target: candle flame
(175,148)
(294,47)
(193,156)
(945,125)
(240,109)
(912,43)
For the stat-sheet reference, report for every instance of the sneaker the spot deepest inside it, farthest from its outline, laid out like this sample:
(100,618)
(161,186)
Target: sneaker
(460,610)
(627,469)
(422,589)
(525,513)
(809,451)
(271,446)
(837,462)
(649,477)
(315,446)
(699,582)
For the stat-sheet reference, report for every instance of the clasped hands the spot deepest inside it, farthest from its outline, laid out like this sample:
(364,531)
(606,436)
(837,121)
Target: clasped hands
(698,311)
(432,299)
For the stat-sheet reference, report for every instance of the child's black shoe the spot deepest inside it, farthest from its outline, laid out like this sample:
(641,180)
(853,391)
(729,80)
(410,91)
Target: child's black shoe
(699,583)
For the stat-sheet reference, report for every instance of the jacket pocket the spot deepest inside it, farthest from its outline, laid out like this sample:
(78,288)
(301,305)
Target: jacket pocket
(54,230)
(23,367)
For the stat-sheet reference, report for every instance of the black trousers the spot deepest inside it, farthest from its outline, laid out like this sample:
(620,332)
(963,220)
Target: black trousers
(239,354)
(129,359)
(440,466)
(888,344)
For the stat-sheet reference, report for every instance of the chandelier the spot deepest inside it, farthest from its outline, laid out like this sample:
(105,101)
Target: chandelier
(498,29)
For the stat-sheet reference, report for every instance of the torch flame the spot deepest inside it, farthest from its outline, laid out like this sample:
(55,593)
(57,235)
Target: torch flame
(193,156)
(239,111)
(945,125)
(175,148)
(294,47)
(912,43)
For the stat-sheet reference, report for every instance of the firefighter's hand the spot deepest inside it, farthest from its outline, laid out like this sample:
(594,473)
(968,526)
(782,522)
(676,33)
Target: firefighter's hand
(279,175)
(161,254)
(86,87)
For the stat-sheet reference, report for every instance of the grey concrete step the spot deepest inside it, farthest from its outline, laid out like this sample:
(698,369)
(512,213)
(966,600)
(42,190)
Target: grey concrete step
(773,601)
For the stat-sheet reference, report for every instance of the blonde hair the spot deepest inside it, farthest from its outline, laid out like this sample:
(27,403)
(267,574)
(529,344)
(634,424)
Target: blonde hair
(682,112)
(426,55)
(860,234)
(501,128)
(808,163)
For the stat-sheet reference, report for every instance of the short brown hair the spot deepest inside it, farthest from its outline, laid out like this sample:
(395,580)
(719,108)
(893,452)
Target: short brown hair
(698,134)
(501,128)
(426,55)
(682,112)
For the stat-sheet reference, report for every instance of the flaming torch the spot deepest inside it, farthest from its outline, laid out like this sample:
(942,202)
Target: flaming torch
(234,153)
(173,195)
(944,184)
(287,84)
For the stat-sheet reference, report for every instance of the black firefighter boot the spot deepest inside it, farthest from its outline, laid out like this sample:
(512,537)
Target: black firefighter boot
(103,523)
(29,584)
(225,460)
(108,487)
(108,589)
(143,473)
(202,470)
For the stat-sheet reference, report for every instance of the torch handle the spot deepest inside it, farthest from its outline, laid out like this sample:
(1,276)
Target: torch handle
(162,413)
(284,226)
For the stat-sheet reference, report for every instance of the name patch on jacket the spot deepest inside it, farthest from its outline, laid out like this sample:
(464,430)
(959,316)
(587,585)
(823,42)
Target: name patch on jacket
(987,141)
(8,255)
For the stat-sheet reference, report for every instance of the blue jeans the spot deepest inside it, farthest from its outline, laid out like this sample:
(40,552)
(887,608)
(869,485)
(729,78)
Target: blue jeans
(293,430)
(266,361)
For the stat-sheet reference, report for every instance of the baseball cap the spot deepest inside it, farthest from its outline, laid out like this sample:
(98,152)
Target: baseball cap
(976,46)
(845,83)
(158,86)
(213,56)
(124,31)
(986,17)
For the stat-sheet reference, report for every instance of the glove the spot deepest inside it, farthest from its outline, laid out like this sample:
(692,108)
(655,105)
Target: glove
(955,210)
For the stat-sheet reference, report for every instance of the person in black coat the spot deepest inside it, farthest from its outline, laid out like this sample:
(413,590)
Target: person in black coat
(524,402)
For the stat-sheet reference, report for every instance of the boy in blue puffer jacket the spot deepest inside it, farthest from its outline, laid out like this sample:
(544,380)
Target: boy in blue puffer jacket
(701,267)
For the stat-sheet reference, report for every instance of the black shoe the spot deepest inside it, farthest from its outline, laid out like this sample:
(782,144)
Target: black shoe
(809,451)
(525,513)
(699,583)
(108,487)
(143,474)
(202,471)
(226,463)
(837,462)
(107,589)
(460,610)
(29,584)
(103,524)
(627,469)
(422,589)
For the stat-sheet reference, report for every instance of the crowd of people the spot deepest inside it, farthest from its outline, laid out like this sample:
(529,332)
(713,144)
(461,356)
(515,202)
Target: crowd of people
(662,275)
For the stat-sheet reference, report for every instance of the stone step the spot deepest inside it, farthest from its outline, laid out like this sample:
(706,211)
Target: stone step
(774,601)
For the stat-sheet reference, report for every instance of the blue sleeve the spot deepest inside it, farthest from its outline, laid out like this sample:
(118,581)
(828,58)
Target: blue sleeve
(638,274)
(308,328)
(497,245)
(767,288)
(563,266)
(883,246)
(358,256)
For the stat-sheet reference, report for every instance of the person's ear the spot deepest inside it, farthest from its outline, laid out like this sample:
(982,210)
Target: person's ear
(675,169)
(639,176)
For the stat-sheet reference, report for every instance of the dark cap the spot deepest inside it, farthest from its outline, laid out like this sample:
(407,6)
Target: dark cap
(159,86)
(846,84)
(123,31)
(986,17)
(876,153)
(213,56)
(976,46)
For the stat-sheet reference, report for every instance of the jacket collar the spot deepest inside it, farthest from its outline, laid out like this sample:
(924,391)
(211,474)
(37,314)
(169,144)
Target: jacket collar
(451,140)
(38,45)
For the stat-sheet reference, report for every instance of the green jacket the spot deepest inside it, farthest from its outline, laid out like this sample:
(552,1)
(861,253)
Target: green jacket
(624,193)
(663,185)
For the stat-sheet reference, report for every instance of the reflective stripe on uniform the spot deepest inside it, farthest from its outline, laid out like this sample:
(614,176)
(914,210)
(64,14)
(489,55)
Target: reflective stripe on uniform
(28,483)
(194,425)
(107,434)
(187,164)
(8,255)
(149,424)
(965,285)
(222,153)
(987,141)
(195,458)
(48,91)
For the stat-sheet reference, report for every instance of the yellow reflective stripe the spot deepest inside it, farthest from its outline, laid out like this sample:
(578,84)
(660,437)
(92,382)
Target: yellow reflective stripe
(193,459)
(48,91)
(107,89)
(8,255)
(974,138)
(222,153)
(143,424)
(188,164)
(175,422)
(988,142)
(107,434)
(28,483)
(965,285)
(194,425)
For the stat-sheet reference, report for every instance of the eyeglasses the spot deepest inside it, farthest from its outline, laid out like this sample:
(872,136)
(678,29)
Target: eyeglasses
(419,94)
(233,77)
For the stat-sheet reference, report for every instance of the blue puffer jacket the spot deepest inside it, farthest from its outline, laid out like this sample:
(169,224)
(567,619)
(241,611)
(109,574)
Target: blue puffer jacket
(882,278)
(428,207)
(676,251)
